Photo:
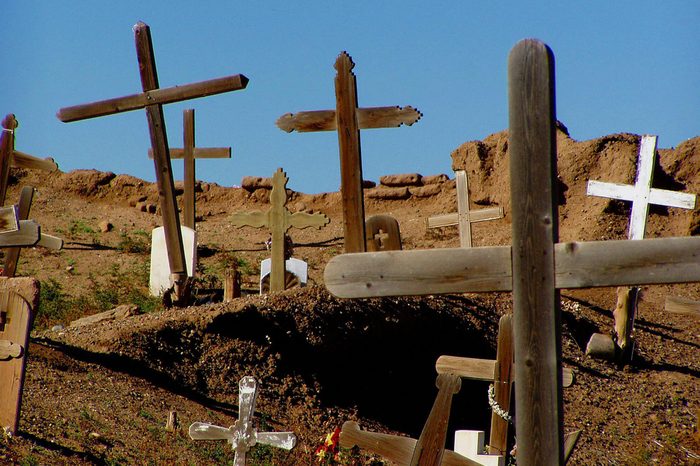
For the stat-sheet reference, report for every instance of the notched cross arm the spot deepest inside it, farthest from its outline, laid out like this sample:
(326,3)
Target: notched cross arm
(367,118)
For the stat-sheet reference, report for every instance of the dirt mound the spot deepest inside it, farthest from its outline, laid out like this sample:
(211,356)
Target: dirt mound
(100,394)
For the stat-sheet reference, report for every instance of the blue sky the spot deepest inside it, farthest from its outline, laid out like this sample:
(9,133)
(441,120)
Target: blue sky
(621,66)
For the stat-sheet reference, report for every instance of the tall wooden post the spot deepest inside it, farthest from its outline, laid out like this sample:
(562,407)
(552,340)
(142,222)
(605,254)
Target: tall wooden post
(532,145)
(188,215)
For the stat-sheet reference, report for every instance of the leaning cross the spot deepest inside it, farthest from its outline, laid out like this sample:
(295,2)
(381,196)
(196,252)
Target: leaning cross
(152,99)
(534,267)
(189,153)
(278,219)
(348,119)
(241,435)
(641,194)
(464,217)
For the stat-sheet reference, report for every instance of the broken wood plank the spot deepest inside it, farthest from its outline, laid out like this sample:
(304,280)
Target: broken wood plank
(22,160)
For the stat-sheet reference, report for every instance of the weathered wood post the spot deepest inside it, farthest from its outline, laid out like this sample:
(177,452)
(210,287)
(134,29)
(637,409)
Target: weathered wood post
(537,332)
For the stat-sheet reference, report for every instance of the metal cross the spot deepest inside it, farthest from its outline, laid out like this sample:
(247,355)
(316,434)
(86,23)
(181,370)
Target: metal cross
(241,435)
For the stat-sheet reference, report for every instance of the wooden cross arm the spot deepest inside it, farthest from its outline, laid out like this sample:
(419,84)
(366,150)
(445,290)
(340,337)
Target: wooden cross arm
(9,350)
(625,192)
(305,220)
(394,448)
(484,269)
(22,160)
(27,235)
(482,369)
(255,219)
(482,215)
(199,153)
(154,97)
(367,118)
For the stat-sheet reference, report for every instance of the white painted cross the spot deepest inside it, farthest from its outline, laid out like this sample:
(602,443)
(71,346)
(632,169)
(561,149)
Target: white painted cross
(464,217)
(242,436)
(641,194)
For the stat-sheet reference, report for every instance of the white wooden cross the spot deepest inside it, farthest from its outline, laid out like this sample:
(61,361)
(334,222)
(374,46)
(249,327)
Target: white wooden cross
(242,436)
(464,217)
(533,268)
(641,194)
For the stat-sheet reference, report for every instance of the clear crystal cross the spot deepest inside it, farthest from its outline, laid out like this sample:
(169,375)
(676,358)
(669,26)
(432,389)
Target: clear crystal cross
(241,435)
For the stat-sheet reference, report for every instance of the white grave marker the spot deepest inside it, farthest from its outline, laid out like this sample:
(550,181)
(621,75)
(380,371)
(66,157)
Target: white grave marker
(241,435)
(470,443)
(298,267)
(160,268)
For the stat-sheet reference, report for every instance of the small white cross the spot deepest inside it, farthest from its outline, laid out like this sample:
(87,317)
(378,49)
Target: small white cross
(242,436)
(641,194)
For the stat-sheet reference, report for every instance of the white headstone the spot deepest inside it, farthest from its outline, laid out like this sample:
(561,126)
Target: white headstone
(296,266)
(160,268)
(470,443)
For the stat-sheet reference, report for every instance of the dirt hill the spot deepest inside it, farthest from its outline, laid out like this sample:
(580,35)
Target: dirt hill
(100,394)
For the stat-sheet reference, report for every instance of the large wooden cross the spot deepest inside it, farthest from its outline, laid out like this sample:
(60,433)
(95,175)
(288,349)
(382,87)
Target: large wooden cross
(189,153)
(534,267)
(152,100)
(279,219)
(242,436)
(641,194)
(348,120)
(464,217)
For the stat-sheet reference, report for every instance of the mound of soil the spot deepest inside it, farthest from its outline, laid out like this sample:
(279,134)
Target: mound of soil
(100,394)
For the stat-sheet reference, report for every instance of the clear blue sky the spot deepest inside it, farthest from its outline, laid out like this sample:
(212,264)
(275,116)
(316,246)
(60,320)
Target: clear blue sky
(621,66)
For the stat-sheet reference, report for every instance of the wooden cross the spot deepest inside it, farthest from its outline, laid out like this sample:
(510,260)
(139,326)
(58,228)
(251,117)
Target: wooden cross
(464,217)
(641,194)
(279,219)
(241,435)
(189,153)
(500,372)
(348,120)
(429,449)
(152,100)
(533,280)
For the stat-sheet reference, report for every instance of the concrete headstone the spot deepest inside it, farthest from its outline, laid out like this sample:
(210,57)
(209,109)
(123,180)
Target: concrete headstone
(160,268)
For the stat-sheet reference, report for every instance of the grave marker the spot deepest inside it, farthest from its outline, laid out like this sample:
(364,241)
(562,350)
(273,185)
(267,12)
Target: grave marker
(464,217)
(348,120)
(152,99)
(573,265)
(641,194)
(241,435)
(189,153)
(278,219)
(383,234)
(16,316)
(159,276)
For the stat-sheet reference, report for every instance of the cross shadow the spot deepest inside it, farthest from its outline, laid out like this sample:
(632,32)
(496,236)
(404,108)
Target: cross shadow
(60,449)
(88,246)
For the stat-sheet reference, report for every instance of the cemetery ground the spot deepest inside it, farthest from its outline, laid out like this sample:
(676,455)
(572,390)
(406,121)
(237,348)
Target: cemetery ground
(101,393)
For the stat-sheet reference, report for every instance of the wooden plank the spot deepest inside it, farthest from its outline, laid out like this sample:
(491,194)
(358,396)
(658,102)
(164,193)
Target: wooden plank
(153,96)
(482,369)
(481,215)
(645,174)
(537,329)
(22,160)
(430,446)
(678,305)
(188,210)
(367,118)
(503,384)
(278,226)
(393,448)
(50,242)
(350,157)
(12,254)
(199,153)
(570,441)
(7,147)
(27,235)
(625,192)
(588,264)
(161,157)
(16,330)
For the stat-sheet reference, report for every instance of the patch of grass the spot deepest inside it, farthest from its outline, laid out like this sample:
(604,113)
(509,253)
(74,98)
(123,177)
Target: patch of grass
(134,243)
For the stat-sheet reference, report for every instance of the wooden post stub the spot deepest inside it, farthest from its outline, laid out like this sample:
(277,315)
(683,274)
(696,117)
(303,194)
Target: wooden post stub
(12,254)
(232,283)
(7,147)
(532,146)
(503,383)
